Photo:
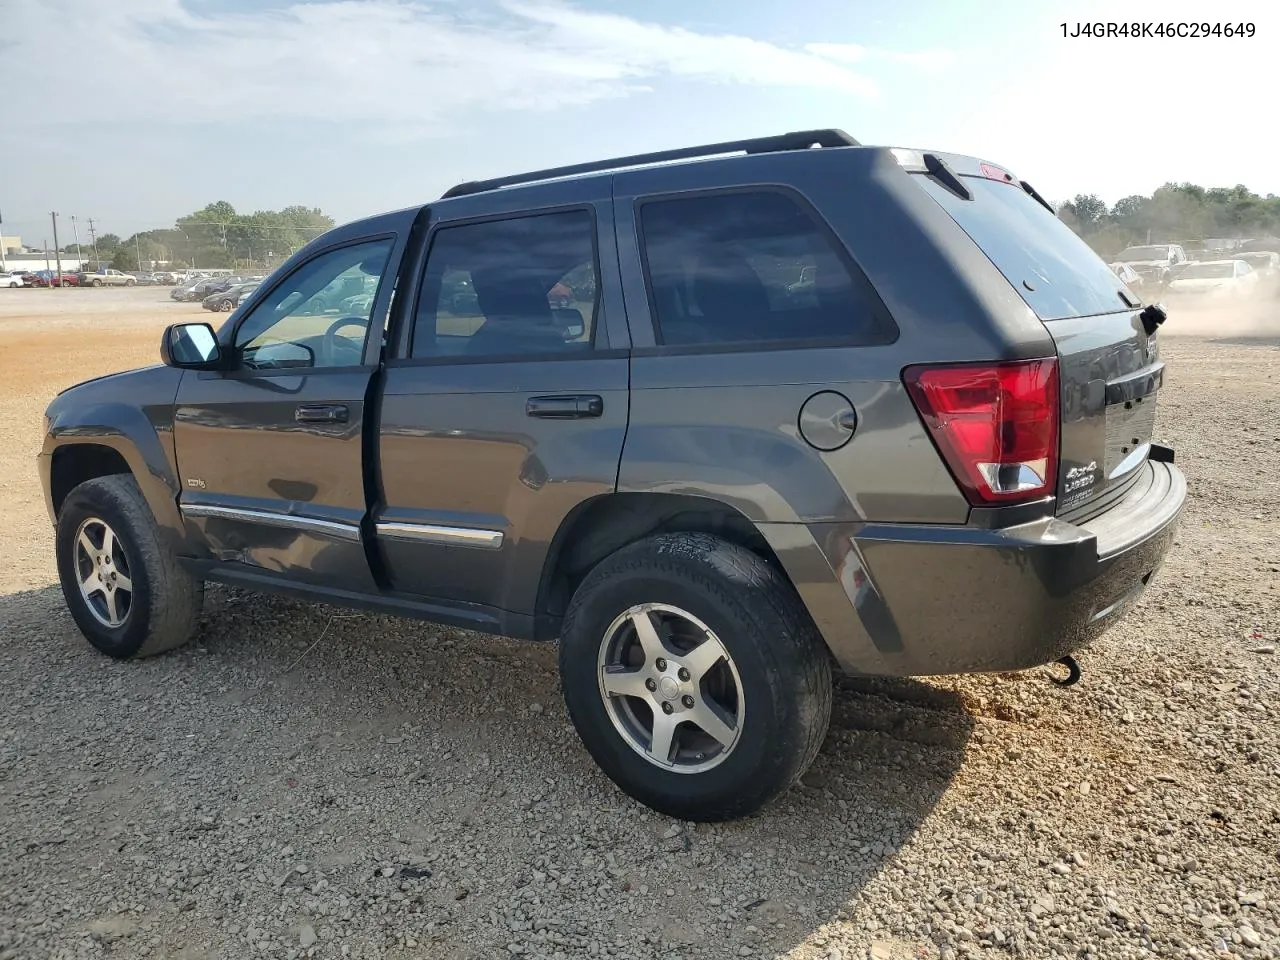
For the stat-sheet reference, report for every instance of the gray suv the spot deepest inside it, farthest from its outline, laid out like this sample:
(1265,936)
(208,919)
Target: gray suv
(719,420)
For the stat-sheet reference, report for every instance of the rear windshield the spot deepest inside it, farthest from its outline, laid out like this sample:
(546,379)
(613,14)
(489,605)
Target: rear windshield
(1053,270)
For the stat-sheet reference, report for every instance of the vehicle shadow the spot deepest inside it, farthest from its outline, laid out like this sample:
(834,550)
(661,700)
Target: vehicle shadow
(366,743)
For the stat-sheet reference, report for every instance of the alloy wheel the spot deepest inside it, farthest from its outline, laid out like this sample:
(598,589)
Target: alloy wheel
(102,572)
(670,688)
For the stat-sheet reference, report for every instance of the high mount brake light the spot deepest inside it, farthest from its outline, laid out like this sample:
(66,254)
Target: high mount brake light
(995,424)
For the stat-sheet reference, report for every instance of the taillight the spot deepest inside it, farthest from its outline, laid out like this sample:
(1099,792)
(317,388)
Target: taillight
(995,424)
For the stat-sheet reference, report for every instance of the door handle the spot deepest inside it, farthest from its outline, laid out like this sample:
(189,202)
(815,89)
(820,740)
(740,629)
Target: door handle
(320,413)
(579,407)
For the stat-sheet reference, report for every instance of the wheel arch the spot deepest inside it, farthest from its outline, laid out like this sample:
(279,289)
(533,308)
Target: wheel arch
(89,433)
(75,463)
(605,524)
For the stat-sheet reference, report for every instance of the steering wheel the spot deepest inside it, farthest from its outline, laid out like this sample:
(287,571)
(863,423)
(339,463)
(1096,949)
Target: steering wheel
(341,351)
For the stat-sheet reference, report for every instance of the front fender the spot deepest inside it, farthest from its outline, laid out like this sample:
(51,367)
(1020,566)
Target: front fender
(139,429)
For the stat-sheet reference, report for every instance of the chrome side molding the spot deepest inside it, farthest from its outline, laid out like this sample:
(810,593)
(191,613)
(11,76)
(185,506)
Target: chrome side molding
(270,518)
(441,535)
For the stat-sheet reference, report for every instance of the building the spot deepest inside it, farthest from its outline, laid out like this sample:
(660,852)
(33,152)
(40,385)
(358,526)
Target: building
(30,262)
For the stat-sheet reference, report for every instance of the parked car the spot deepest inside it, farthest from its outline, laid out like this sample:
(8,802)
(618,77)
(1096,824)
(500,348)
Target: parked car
(182,289)
(198,290)
(164,277)
(718,491)
(1218,279)
(1153,262)
(1265,264)
(220,284)
(226,300)
(51,278)
(15,279)
(107,277)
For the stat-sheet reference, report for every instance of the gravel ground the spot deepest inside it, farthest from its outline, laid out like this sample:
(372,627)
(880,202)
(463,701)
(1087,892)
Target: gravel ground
(307,782)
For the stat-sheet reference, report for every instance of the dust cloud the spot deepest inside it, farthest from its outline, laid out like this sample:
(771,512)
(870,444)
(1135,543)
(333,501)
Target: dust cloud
(1257,317)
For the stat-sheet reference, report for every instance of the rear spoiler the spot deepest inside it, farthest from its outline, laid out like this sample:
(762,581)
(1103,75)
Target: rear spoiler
(948,168)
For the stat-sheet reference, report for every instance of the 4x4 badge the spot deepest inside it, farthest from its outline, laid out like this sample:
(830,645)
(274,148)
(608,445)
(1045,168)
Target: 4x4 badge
(1081,477)
(196,482)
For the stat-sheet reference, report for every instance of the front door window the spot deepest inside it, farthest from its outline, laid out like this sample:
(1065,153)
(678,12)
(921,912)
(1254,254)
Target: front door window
(318,316)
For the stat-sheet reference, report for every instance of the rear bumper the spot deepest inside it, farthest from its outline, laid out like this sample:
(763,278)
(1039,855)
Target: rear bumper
(916,600)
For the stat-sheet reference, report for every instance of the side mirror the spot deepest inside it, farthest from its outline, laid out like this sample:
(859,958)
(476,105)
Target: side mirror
(190,346)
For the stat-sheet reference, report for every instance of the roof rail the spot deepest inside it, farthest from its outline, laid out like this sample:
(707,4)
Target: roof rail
(800,140)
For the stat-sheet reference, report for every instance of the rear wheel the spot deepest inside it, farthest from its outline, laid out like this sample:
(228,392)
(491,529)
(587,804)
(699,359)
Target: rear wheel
(225,306)
(97,283)
(694,676)
(125,589)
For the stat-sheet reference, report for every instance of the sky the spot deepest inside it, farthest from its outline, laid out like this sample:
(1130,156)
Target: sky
(134,112)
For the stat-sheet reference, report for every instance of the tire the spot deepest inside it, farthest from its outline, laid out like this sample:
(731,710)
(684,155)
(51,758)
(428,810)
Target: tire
(129,283)
(774,654)
(96,283)
(226,306)
(161,610)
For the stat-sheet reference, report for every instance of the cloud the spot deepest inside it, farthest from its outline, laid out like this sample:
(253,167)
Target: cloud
(854,53)
(398,66)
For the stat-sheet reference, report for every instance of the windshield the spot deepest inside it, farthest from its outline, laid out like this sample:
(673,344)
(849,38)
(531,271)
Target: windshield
(1053,270)
(1134,254)
(1207,271)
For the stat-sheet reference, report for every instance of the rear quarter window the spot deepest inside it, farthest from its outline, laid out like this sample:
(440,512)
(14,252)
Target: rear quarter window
(1053,270)
(753,266)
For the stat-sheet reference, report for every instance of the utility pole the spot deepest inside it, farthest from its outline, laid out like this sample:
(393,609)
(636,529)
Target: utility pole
(56,252)
(76,231)
(93,237)
(4,267)
(137,249)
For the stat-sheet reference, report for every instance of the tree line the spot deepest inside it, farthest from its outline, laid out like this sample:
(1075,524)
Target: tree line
(218,236)
(215,236)
(1175,213)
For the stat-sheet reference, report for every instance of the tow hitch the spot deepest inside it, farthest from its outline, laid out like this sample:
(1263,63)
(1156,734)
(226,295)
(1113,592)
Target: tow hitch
(1073,672)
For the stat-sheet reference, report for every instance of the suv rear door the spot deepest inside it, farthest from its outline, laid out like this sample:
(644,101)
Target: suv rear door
(764,364)
(502,409)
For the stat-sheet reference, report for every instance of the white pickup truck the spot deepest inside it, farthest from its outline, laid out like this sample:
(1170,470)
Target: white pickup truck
(107,277)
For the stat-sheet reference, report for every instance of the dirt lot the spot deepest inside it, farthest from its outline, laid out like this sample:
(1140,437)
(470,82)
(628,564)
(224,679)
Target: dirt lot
(406,791)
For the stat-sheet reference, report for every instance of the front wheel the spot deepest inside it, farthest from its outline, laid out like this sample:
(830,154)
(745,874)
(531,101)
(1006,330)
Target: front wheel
(129,283)
(125,589)
(694,676)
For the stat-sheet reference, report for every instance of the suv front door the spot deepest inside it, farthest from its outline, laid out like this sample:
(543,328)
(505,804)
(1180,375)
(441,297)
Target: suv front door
(505,406)
(270,450)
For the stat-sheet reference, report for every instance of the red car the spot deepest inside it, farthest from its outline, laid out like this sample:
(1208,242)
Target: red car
(47,278)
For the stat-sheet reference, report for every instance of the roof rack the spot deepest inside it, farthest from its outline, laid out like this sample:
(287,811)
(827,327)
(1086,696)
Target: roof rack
(800,140)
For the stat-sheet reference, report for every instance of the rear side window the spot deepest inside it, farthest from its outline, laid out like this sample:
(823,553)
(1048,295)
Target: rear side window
(752,267)
(525,286)
(1054,271)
